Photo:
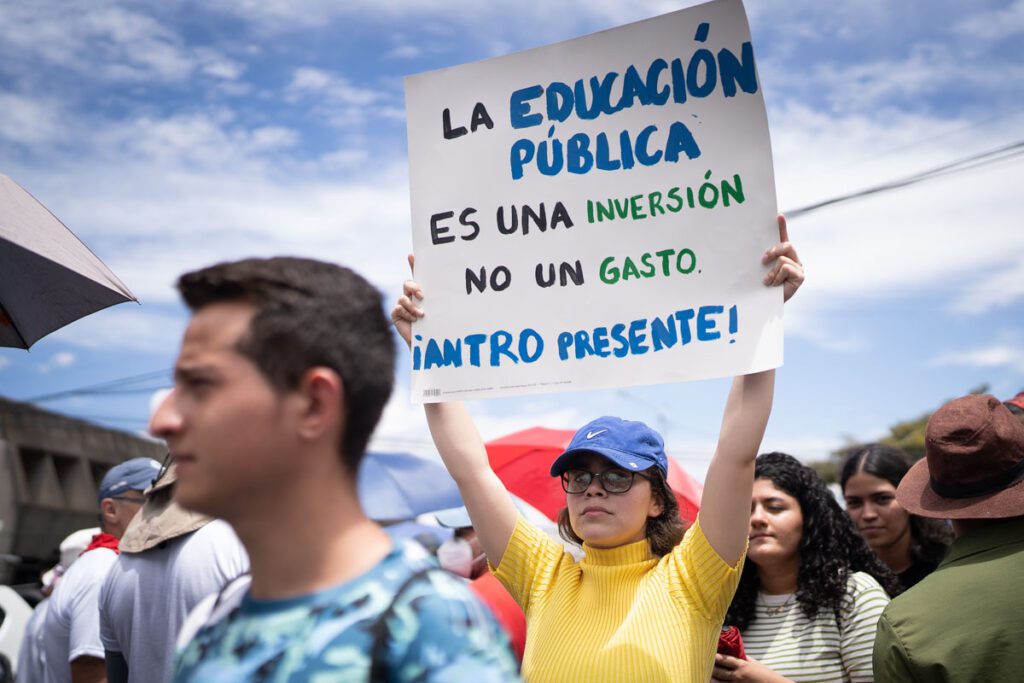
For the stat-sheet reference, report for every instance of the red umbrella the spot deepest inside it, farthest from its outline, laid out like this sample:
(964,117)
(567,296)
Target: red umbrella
(523,461)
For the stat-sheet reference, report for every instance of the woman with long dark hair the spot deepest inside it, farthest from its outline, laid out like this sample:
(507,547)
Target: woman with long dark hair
(811,592)
(910,546)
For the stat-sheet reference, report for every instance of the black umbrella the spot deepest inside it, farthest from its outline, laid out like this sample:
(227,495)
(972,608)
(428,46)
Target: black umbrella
(48,277)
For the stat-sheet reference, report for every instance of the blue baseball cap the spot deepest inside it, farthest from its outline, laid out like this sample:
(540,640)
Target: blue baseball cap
(631,445)
(131,475)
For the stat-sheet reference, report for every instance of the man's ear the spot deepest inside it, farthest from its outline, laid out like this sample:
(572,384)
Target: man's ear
(108,512)
(322,397)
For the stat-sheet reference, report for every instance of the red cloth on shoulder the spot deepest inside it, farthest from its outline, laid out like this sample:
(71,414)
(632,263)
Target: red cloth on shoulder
(102,540)
(505,609)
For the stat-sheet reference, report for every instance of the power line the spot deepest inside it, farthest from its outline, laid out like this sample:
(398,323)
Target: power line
(114,386)
(143,421)
(968,163)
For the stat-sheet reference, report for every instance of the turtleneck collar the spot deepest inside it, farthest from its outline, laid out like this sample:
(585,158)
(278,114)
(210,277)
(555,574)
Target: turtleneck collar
(631,553)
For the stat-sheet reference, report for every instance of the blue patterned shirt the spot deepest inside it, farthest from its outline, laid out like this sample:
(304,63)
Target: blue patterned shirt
(436,631)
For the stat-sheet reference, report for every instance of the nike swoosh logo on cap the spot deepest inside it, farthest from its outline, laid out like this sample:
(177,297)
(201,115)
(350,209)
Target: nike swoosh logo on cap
(591,435)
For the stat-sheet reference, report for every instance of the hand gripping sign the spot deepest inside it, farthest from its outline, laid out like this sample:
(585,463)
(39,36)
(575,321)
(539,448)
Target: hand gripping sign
(592,213)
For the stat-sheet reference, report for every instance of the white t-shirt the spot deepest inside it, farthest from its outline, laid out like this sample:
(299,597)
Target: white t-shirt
(31,661)
(147,595)
(72,626)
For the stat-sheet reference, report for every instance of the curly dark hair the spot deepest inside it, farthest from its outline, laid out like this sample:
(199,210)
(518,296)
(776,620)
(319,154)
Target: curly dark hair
(929,538)
(663,532)
(830,547)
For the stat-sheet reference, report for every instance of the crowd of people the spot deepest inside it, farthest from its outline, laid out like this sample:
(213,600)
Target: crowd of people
(250,558)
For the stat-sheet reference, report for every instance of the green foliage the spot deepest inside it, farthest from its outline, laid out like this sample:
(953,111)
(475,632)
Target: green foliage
(827,469)
(909,436)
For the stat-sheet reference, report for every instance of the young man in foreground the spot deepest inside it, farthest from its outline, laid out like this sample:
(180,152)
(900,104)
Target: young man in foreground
(283,374)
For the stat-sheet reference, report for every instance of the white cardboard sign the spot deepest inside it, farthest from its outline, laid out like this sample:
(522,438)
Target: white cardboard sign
(593,213)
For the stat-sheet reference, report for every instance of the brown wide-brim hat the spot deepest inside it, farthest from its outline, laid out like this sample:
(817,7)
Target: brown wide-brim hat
(160,519)
(973,466)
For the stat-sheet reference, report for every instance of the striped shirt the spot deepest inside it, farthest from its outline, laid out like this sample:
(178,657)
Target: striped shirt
(822,650)
(619,614)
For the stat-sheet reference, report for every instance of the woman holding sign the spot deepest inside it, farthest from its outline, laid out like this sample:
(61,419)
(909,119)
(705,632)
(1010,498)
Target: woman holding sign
(647,601)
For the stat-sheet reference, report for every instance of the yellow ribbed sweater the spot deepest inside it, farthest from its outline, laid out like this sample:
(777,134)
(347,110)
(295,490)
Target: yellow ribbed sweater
(618,615)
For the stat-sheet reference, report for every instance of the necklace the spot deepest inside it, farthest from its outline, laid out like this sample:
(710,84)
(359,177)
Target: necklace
(776,610)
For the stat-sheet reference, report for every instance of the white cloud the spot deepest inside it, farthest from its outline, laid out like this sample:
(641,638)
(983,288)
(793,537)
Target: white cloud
(4,362)
(494,422)
(941,236)
(1001,286)
(276,16)
(404,427)
(308,80)
(406,51)
(154,197)
(994,25)
(63,359)
(127,326)
(254,215)
(28,121)
(104,40)
(344,159)
(823,329)
(878,57)
(218,66)
(151,191)
(271,139)
(59,361)
(928,69)
(192,141)
(806,447)
(998,355)
(335,98)
(137,46)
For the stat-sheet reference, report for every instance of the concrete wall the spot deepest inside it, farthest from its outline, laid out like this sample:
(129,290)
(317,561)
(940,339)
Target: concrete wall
(50,469)
(8,508)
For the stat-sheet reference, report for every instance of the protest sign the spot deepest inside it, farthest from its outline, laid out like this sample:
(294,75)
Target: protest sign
(593,213)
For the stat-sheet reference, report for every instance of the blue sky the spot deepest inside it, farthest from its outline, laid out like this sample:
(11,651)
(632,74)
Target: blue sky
(172,135)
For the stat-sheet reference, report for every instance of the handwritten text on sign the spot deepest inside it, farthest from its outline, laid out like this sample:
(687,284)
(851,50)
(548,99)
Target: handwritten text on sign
(592,213)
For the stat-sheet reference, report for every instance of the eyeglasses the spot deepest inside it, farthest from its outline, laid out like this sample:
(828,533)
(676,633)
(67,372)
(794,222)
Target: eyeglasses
(130,499)
(612,481)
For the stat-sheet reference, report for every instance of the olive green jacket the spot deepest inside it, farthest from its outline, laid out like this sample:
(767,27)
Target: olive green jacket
(965,621)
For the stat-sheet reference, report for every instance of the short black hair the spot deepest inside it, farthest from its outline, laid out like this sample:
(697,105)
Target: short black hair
(309,314)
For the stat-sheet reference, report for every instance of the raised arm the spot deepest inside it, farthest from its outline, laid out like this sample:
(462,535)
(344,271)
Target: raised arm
(728,486)
(462,449)
(725,504)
